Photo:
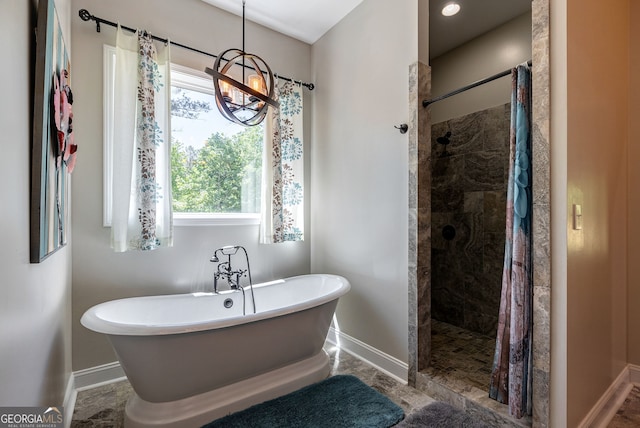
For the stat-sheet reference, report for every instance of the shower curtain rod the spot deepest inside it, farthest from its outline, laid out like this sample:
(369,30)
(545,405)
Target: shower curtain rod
(86,16)
(426,103)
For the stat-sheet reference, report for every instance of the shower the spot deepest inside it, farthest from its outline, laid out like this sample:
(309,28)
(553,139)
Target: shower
(444,140)
(468,199)
(467,163)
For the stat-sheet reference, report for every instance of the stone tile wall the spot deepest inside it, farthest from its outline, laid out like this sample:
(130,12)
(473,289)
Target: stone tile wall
(419,251)
(419,284)
(469,186)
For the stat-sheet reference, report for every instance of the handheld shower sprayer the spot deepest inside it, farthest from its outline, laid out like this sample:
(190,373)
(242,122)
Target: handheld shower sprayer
(228,250)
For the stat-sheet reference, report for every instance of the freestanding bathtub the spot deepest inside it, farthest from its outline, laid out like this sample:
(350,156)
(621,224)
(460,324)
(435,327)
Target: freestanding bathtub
(192,358)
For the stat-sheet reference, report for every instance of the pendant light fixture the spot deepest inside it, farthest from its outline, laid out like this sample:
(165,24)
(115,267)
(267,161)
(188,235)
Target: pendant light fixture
(241,97)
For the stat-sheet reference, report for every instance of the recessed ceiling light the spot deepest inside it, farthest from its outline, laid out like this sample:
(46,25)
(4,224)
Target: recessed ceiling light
(450,9)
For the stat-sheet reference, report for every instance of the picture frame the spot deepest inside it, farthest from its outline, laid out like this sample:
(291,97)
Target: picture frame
(53,147)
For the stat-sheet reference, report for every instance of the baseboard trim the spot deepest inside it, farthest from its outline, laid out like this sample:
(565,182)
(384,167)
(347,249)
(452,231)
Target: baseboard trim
(97,376)
(69,403)
(607,406)
(392,366)
(634,374)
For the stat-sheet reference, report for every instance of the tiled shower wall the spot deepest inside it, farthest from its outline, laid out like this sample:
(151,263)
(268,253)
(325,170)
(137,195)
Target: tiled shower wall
(469,182)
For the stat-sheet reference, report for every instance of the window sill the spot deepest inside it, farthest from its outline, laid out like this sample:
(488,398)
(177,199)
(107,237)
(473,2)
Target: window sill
(206,219)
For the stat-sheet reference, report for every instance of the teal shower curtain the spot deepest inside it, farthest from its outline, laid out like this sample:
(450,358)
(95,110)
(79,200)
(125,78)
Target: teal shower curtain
(512,363)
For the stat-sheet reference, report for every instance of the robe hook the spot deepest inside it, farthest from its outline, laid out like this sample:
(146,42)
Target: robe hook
(403,128)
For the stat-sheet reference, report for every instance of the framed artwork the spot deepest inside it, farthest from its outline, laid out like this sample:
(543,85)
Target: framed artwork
(53,152)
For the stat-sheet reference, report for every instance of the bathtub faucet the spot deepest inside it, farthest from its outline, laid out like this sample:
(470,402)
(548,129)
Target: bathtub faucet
(225,271)
(232,276)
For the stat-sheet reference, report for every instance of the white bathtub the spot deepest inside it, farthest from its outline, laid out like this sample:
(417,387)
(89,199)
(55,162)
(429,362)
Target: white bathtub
(190,359)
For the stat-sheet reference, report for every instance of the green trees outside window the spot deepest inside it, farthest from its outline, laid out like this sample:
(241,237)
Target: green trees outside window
(221,176)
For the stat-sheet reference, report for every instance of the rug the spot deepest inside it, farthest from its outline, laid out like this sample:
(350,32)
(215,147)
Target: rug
(342,401)
(440,415)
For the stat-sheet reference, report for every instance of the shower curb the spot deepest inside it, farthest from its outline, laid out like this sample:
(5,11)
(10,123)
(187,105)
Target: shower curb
(471,399)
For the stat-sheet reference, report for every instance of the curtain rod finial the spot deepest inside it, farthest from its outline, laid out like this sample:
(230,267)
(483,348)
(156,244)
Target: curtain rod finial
(84,15)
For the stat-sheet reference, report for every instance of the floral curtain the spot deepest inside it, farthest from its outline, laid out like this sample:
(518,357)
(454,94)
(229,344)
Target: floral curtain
(141,212)
(512,364)
(283,168)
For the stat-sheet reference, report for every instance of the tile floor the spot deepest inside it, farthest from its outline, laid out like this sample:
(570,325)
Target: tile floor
(461,355)
(104,406)
(459,372)
(629,414)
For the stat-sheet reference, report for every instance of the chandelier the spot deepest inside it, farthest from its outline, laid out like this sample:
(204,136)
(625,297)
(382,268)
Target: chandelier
(241,98)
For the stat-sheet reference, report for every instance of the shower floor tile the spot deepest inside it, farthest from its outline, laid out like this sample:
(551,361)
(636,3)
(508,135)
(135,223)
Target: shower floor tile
(461,355)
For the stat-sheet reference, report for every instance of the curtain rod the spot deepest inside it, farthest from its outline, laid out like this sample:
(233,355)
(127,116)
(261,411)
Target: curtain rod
(86,16)
(427,103)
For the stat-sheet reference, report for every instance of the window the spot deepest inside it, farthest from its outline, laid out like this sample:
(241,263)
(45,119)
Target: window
(216,165)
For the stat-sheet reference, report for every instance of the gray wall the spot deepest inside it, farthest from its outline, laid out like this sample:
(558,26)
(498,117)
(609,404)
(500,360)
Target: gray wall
(493,52)
(359,167)
(99,274)
(35,299)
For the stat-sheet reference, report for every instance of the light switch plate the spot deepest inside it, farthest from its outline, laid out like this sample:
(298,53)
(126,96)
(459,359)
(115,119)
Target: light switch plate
(577,217)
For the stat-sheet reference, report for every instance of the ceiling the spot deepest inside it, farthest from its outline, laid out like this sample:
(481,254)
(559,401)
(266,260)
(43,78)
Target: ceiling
(305,20)
(476,17)
(308,20)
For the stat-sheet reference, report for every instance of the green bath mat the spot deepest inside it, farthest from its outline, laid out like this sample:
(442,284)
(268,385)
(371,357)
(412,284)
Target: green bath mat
(338,402)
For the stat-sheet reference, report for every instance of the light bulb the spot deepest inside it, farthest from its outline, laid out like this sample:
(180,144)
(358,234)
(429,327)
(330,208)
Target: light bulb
(256,83)
(450,9)
(225,88)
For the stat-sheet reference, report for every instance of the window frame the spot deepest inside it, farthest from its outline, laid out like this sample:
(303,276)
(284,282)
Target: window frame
(193,80)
